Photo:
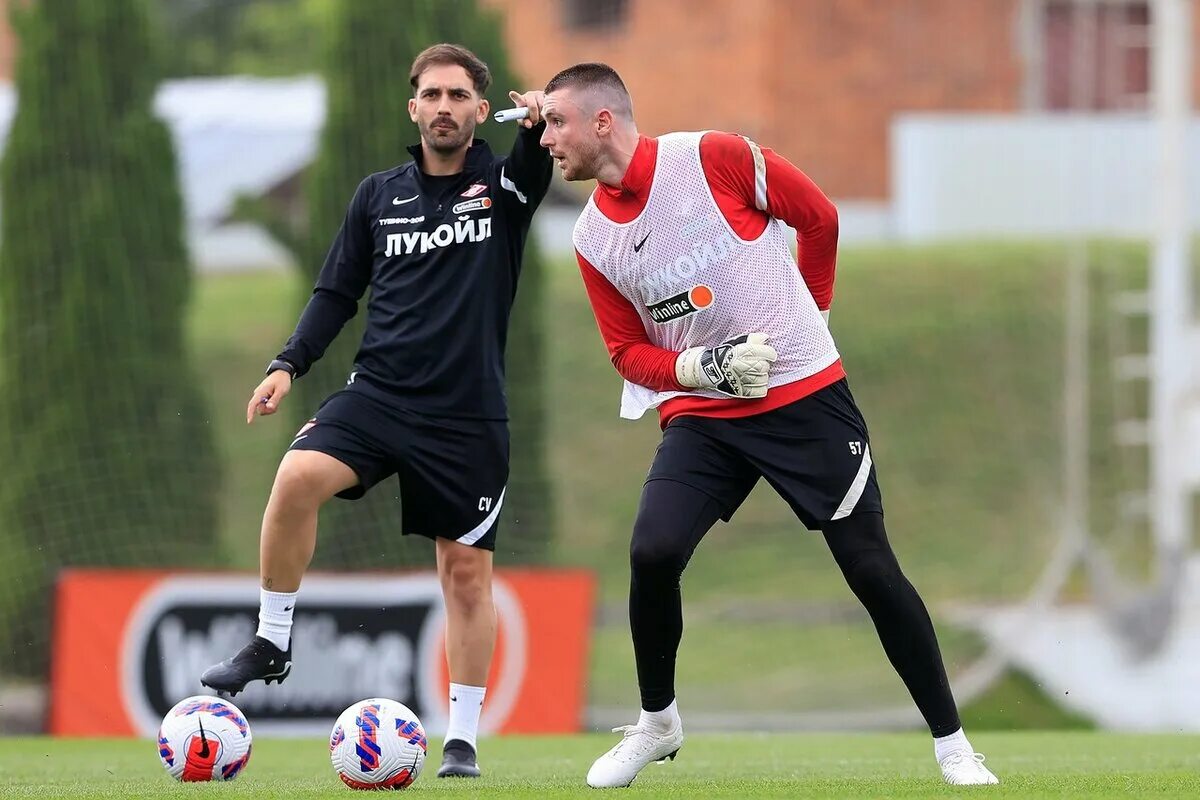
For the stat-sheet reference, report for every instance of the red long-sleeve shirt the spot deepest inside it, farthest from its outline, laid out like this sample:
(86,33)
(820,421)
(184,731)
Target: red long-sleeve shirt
(728,166)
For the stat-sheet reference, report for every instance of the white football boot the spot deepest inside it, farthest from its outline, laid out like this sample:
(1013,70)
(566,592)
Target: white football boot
(638,747)
(964,768)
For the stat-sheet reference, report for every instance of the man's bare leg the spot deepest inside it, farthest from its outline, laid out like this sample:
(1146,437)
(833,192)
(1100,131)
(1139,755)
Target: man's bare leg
(305,481)
(466,576)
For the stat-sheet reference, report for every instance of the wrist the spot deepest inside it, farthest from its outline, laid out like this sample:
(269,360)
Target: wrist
(688,371)
(282,364)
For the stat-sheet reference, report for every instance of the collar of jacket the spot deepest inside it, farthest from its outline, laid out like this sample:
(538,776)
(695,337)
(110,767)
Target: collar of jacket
(478,154)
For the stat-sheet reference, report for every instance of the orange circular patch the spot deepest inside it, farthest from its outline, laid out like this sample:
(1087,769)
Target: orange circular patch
(701,296)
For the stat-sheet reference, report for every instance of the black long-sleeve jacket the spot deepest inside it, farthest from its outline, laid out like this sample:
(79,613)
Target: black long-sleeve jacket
(441,255)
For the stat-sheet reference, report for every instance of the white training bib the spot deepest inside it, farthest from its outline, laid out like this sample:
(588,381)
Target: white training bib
(694,282)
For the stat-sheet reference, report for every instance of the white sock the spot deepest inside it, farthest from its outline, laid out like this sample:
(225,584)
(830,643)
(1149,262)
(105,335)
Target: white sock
(945,745)
(661,721)
(275,617)
(465,704)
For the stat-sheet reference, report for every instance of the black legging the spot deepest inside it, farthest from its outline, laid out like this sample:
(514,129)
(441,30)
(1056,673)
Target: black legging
(673,518)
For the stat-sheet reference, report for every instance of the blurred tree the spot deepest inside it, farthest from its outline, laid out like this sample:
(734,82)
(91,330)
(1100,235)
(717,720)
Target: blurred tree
(370,45)
(243,37)
(107,451)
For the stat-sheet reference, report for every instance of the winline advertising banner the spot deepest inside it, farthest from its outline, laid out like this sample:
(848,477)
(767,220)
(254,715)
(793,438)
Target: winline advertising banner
(129,644)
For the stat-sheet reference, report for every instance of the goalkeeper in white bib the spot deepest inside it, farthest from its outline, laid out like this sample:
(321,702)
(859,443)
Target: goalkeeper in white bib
(710,321)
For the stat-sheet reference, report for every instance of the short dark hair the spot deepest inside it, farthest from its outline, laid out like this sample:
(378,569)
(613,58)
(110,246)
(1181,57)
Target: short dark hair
(589,73)
(446,53)
(593,74)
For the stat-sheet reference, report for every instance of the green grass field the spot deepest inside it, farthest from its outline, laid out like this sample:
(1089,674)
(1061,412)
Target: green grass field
(1030,765)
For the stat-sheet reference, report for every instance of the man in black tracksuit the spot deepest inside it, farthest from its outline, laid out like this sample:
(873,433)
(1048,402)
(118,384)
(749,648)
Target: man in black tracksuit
(439,241)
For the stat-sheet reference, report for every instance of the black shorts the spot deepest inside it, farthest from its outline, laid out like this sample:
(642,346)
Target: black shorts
(452,471)
(814,452)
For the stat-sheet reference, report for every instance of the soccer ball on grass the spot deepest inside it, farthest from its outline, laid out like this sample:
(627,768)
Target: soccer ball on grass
(378,744)
(204,739)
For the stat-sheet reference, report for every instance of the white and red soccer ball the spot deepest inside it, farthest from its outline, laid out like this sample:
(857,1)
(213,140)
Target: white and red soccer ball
(378,744)
(204,739)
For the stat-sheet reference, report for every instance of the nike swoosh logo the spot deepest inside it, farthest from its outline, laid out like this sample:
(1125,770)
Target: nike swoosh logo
(396,201)
(453,699)
(637,248)
(204,751)
(289,608)
(298,438)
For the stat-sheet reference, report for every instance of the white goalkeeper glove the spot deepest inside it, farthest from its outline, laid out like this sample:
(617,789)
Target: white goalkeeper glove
(738,367)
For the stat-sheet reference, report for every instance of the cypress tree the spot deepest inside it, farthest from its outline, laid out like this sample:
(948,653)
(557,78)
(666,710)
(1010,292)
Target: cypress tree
(108,457)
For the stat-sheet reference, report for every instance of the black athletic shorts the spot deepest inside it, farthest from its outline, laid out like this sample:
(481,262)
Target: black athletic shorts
(452,471)
(814,452)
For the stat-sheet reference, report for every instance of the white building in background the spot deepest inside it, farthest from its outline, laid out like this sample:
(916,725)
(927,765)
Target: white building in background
(236,136)
(1028,175)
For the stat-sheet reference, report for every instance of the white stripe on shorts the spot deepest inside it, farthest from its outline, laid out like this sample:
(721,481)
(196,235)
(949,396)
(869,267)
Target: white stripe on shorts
(475,534)
(856,487)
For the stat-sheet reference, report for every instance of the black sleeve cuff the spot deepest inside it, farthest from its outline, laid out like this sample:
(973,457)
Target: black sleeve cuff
(285,365)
